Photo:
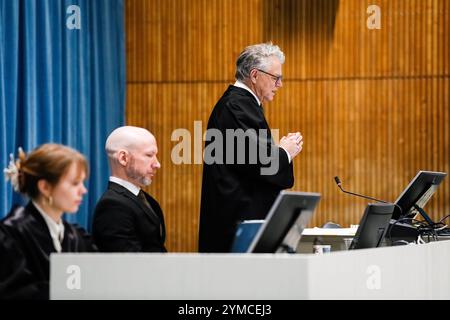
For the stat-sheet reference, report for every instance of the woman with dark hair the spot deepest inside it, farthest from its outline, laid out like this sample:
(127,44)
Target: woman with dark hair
(52,176)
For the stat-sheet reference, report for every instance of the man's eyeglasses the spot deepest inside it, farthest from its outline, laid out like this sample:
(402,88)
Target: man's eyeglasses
(277,79)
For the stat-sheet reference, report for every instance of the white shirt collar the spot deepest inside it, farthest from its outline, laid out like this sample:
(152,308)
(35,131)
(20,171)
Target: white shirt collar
(242,85)
(126,184)
(56,229)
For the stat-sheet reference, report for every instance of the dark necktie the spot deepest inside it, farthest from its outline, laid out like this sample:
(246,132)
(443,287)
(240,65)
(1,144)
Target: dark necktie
(144,200)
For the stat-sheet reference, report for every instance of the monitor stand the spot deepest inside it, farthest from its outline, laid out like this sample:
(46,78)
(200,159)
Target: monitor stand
(286,249)
(424,215)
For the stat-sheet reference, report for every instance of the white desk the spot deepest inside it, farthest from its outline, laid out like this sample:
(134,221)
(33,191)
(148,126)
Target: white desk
(331,236)
(405,272)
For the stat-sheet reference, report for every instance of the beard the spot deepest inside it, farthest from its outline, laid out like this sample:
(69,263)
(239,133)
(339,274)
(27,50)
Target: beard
(134,174)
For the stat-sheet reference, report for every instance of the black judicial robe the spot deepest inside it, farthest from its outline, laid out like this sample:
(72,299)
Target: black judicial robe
(31,236)
(233,192)
(16,281)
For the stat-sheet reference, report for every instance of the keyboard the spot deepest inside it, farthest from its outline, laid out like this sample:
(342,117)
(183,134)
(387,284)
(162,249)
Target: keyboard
(444,232)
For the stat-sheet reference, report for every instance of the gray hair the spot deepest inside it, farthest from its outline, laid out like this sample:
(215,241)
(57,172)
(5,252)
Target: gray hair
(256,57)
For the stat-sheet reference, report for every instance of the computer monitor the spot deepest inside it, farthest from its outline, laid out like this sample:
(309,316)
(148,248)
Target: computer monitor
(288,216)
(416,195)
(373,226)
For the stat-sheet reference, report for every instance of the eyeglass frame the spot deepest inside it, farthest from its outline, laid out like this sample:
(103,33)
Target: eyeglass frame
(277,79)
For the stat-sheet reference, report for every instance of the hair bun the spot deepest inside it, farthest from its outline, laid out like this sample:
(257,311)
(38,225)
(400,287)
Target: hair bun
(12,171)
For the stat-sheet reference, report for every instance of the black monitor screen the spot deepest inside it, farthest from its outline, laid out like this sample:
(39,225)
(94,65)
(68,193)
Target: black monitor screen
(417,193)
(285,222)
(373,226)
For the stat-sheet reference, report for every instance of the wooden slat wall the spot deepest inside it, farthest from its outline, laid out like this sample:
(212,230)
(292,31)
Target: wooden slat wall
(372,105)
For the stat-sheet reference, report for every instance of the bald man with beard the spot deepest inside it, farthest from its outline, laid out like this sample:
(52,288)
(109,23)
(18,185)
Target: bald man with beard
(126,218)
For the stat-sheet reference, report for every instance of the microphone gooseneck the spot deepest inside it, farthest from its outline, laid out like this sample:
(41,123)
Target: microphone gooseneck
(339,184)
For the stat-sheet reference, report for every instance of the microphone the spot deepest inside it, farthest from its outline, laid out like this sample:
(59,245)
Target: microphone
(400,230)
(339,184)
(338,181)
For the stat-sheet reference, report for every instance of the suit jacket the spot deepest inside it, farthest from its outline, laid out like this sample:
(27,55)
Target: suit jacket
(233,192)
(122,223)
(30,245)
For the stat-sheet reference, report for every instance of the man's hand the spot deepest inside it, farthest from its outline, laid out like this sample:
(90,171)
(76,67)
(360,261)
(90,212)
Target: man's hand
(292,143)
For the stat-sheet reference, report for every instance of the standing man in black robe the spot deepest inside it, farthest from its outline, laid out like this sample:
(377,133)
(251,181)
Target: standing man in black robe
(243,169)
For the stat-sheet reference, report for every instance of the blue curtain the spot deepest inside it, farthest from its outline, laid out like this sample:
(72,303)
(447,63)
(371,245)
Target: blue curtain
(62,79)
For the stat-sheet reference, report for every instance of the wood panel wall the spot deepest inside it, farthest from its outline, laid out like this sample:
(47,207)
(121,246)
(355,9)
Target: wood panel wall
(372,105)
